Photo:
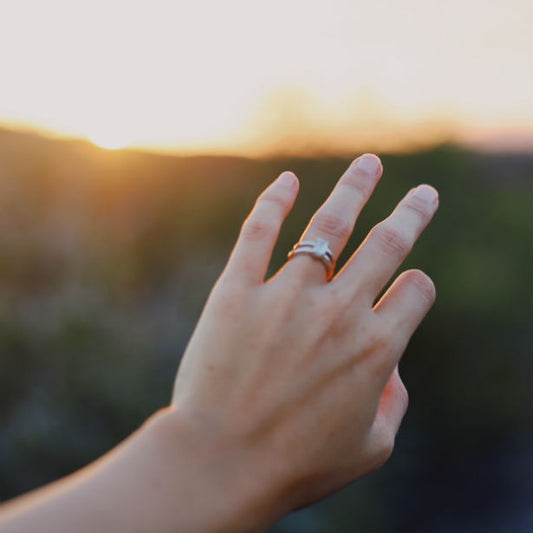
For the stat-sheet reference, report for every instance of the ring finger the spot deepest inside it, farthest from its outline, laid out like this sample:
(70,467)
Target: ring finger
(335,219)
(389,242)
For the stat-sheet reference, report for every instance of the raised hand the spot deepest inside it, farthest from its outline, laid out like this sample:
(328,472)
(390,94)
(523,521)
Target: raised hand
(292,383)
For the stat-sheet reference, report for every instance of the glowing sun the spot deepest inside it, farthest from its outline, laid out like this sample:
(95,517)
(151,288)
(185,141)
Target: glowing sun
(109,137)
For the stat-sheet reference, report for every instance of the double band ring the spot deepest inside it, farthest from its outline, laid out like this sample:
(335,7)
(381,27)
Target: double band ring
(318,249)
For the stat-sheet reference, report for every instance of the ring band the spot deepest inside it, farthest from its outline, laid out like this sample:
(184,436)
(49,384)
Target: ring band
(318,249)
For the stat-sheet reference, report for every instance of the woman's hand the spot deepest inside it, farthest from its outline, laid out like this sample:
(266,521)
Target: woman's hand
(291,385)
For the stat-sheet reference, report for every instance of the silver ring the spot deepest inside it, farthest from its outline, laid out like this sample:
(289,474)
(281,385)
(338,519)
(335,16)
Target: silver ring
(318,249)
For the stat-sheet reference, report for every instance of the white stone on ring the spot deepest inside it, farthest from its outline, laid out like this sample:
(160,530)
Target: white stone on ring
(318,249)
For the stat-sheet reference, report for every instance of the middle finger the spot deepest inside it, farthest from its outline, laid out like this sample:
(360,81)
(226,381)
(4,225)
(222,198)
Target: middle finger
(335,219)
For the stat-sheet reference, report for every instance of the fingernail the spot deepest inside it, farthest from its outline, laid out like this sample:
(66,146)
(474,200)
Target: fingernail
(426,193)
(369,164)
(287,179)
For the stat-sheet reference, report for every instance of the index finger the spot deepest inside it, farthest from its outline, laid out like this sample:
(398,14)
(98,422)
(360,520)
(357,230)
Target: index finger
(252,252)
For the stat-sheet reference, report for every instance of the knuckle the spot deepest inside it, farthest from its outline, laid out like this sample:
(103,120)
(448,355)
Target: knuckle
(273,197)
(419,206)
(357,183)
(256,228)
(390,240)
(423,283)
(332,224)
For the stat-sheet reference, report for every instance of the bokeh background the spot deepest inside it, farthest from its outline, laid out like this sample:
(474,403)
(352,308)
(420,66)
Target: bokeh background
(134,139)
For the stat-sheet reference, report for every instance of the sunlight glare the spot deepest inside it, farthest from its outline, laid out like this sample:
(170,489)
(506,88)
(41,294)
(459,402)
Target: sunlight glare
(225,82)
(109,137)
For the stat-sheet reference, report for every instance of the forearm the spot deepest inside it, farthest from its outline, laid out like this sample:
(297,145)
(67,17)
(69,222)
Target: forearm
(159,479)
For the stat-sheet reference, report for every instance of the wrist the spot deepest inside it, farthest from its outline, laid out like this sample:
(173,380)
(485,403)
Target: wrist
(221,485)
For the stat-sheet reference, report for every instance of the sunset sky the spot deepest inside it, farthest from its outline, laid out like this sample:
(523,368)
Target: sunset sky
(253,77)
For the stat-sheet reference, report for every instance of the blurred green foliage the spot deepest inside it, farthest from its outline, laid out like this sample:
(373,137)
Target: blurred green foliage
(106,259)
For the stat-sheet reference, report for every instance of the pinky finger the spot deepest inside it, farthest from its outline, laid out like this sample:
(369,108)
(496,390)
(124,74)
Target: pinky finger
(407,301)
(251,255)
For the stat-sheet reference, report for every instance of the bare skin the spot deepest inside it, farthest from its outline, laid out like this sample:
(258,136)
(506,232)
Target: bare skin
(288,390)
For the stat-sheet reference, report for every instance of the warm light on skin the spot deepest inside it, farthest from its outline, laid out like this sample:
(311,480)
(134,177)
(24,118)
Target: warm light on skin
(212,75)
